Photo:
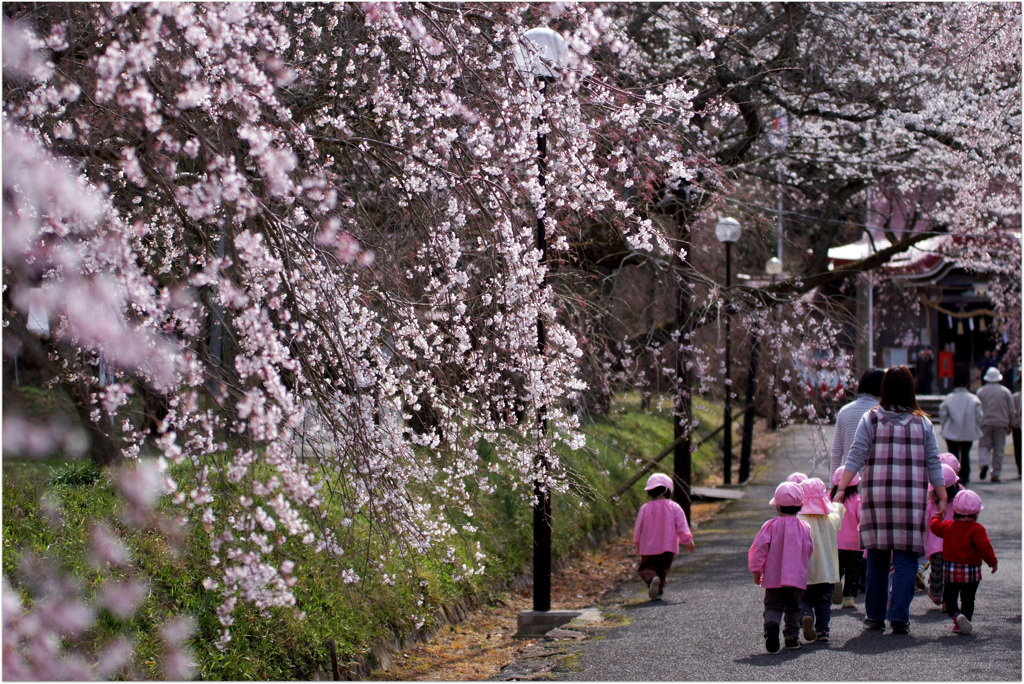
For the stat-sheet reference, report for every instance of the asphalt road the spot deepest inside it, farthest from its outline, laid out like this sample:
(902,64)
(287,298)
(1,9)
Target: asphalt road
(709,626)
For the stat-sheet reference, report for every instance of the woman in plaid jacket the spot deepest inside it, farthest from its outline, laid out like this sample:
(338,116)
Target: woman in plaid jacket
(895,452)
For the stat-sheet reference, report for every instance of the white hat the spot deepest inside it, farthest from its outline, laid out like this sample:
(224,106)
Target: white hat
(659,480)
(993,375)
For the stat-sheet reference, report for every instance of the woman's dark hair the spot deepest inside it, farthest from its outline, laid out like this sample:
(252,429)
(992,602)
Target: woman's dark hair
(849,491)
(898,392)
(961,378)
(871,382)
(657,492)
(790,510)
(961,516)
(951,491)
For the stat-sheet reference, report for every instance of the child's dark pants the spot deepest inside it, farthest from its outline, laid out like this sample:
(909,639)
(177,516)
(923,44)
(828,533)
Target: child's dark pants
(657,565)
(935,586)
(964,591)
(817,602)
(783,601)
(849,570)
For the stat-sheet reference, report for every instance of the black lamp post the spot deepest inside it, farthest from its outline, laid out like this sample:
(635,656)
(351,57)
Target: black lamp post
(550,52)
(728,231)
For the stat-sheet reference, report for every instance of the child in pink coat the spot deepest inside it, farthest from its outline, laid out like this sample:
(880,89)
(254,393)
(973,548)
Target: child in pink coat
(660,528)
(848,540)
(933,544)
(778,558)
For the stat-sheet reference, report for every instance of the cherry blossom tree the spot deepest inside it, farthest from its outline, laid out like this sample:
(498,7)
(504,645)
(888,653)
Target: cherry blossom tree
(302,234)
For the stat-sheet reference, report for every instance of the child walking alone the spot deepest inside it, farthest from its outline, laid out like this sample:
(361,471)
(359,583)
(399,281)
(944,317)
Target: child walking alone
(848,540)
(824,519)
(661,527)
(965,545)
(933,544)
(778,559)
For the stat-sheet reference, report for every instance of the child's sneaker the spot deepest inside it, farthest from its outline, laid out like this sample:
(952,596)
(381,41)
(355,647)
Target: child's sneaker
(771,637)
(654,588)
(956,627)
(807,624)
(793,643)
(937,600)
(848,602)
(963,623)
(823,637)
(920,579)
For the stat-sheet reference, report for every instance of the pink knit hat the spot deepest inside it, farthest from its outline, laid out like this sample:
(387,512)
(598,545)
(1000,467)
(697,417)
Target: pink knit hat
(815,497)
(967,502)
(659,480)
(950,460)
(839,473)
(787,494)
(797,478)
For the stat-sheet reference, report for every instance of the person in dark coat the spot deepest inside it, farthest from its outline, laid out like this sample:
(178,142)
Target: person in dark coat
(925,371)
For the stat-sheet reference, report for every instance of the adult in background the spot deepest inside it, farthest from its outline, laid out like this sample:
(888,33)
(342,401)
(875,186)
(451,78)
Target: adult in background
(925,371)
(895,452)
(868,390)
(960,415)
(997,405)
(1015,428)
(987,360)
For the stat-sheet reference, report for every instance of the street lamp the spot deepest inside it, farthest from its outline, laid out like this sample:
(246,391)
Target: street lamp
(540,56)
(727,231)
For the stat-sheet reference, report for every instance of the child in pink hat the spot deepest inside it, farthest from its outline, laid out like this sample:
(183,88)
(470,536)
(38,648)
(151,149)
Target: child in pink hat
(796,477)
(932,544)
(950,460)
(848,540)
(778,559)
(965,545)
(824,519)
(660,528)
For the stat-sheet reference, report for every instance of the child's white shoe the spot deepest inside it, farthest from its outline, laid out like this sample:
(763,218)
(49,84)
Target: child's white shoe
(963,623)
(655,588)
(847,602)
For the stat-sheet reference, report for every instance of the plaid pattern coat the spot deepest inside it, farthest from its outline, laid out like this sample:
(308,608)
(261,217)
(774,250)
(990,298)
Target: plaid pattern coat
(894,480)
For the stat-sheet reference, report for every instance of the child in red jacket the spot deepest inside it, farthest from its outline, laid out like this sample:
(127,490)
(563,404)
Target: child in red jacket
(965,545)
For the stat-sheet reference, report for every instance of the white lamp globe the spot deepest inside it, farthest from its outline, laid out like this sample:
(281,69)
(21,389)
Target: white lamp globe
(549,53)
(728,230)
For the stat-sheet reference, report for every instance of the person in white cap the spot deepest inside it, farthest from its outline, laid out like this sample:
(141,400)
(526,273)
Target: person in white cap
(997,407)
(660,528)
(778,559)
(965,544)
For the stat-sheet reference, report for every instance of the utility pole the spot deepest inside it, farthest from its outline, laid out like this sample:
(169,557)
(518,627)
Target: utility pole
(681,464)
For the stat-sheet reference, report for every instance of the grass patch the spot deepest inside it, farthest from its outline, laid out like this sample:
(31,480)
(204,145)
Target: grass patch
(279,645)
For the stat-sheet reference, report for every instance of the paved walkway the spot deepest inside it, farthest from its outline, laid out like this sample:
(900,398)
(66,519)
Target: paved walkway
(709,626)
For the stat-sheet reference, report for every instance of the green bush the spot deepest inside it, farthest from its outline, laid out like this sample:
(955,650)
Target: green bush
(280,645)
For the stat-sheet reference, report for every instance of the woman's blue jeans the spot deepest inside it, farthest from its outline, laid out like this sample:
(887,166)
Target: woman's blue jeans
(877,603)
